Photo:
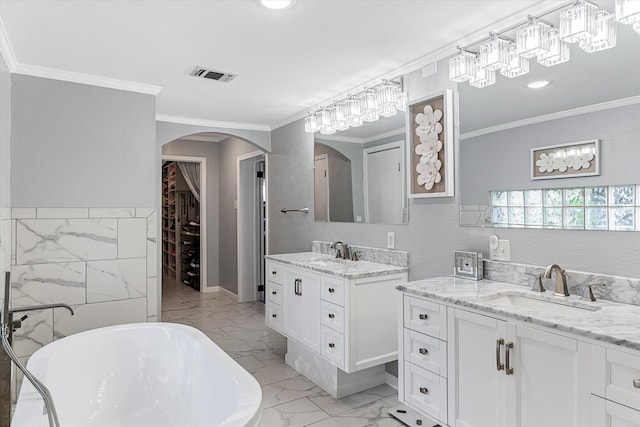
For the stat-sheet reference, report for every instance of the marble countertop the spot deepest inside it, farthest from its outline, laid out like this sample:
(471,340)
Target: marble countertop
(611,322)
(328,264)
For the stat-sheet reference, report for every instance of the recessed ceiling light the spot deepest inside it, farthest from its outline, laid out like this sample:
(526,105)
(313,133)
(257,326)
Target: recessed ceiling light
(278,4)
(538,84)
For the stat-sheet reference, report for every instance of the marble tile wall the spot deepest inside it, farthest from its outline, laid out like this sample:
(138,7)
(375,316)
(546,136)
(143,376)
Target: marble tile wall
(382,256)
(475,215)
(616,288)
(102,262)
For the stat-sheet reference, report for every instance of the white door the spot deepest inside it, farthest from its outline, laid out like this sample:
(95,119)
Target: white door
(292,307)
(383,185)
(477,380)
(309,290)
(321,188)
(550,385)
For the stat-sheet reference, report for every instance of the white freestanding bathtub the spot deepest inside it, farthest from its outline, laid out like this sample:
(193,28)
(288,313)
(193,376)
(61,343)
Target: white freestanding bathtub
(140,375)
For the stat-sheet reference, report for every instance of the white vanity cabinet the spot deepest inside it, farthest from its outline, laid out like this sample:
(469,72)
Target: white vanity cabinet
(497,373)
(340,331)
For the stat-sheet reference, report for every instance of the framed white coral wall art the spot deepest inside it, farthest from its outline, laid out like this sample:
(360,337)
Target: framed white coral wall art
(570,160)
(430,157)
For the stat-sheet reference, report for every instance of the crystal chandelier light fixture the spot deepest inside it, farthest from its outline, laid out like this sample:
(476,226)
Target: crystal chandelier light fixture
(385,99)
(581,21)
(578,22)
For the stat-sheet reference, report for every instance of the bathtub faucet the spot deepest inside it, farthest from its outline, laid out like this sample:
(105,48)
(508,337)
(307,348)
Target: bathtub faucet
(7,326)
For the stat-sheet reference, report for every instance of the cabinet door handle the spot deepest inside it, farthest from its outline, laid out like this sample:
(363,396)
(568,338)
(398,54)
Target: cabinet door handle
(332,345)
(423,351)
(508,369)
(636,383)
(331,290)
(424,390)
(423,316)
(300,287)
(296,283)
(331,315)
(499,364)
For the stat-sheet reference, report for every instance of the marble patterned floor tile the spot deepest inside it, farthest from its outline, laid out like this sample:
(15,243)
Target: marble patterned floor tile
(287,391)
(333,407)
(275,373)
(249,362)
(297,413)
(375,414)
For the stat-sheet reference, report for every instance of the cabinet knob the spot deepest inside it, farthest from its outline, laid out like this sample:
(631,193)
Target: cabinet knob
(424,390)
(273,293)
(423,316)
(636,383)
(274,272)
(332,345)
(331,290)
(331,315)
(423,351)
(274,315)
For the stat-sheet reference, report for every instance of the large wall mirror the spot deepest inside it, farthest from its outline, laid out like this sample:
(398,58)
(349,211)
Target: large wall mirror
(593,96)
(359,173)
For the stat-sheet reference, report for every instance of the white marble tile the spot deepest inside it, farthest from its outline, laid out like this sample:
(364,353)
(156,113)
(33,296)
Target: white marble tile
(298,413)
(152,297)
(36,331)
(287,390)
(152,226)
(472,218)
(132,235)
(5,213)
(116,279)
(5,243)
(375,414)
(13,241)
(144,212)
(36,284)
(60,240)
(98,315)
(16,379)
(23,213)
(332,406)
(48,213)
(112,212)
(271,374)
(152,259)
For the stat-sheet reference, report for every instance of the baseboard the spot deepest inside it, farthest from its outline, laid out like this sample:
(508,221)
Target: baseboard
(391,380)
(209,289)
(228,292)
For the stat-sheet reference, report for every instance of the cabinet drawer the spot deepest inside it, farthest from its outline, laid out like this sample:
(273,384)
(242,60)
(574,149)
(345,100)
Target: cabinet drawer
(274,293)
(426,391)
(621,370)
(333,290)
(426,352)
(332,315)
(274,316)
(332,346)
(426,317)
(275,273)
(605,413)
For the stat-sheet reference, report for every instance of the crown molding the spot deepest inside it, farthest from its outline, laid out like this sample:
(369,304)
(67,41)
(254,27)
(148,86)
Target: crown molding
(436,55)
(353,140)
(87,79)
(210,123)
(553,116)
(6,50)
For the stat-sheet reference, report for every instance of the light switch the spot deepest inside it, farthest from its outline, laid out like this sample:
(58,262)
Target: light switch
(391,240)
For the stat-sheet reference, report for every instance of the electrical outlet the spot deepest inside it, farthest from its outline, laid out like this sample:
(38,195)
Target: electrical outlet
(502,252)
(391,240)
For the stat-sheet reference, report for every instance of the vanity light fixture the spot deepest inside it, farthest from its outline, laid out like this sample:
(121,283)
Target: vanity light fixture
(581,21)
(538,84)
(278,4)
(384,100)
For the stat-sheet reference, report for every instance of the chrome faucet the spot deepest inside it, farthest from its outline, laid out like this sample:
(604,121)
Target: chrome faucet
(341,253)
(561,279)
(7,327)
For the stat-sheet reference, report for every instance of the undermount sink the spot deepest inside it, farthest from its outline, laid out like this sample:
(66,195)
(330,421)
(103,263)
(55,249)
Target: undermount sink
(541,303)
(327,262)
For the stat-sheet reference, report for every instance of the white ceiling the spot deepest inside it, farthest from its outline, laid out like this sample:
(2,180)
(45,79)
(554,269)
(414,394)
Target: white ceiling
(287,61)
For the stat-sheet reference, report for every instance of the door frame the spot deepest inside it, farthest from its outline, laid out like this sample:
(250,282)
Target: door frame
(365,185)
(203,211)
(245,293)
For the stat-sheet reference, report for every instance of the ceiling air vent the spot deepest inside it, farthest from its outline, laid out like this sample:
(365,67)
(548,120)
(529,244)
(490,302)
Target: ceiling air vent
(212,74)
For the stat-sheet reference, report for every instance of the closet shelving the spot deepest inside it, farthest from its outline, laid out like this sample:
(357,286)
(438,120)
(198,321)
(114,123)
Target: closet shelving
(189,209)
(169,249)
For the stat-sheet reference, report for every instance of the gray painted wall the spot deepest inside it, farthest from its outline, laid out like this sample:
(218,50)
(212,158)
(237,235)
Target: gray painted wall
(230,149)
(482,165)
(76,145)
(5,134)
(167,132)
(211,151)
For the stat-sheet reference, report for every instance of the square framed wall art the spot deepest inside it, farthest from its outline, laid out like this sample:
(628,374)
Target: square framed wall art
(430,157)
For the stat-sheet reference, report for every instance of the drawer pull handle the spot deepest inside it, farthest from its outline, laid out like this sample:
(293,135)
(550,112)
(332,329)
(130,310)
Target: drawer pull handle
(636,383)
(331,315)
(499,364)
(331,290)
(423,316)
(508,369)
(274,293)
(423,351)
(424,390)
(274,315)
(332,345)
